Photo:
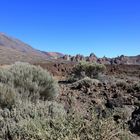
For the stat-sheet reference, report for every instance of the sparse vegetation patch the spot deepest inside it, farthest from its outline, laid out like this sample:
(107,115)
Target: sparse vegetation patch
(87,69)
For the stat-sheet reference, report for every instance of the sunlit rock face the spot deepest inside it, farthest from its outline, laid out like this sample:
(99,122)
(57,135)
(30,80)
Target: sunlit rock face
(120,60)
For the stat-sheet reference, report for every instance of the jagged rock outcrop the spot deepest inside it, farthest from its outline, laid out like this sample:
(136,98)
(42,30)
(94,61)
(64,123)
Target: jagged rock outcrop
(120,60)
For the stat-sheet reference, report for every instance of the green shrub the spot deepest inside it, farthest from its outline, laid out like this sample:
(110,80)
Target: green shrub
(122,84)
(6,77)
(31,82)
(136,87)
(7,96)
(86,82)
(86,69)
(30,122)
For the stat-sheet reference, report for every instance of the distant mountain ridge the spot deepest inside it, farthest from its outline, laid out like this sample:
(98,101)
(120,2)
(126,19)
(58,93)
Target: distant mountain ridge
(12,50)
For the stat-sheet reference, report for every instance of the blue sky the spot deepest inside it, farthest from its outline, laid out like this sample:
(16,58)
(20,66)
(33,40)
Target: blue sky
(105,27)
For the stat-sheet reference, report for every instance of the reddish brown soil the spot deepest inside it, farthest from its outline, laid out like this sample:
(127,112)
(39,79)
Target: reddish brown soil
(58,69)
(65,68)
(128,70)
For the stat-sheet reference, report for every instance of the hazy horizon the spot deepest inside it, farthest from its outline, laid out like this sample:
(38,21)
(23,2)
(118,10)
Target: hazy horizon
(104,27)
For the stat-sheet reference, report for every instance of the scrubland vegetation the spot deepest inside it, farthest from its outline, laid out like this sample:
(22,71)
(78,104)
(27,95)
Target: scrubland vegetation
(30,110)
(87,69)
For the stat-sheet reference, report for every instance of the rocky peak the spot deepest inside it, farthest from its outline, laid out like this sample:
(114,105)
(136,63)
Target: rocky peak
(134,60)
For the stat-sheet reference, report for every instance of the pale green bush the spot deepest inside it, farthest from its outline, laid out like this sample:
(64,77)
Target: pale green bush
(35,123)
(86,82)
(136,87)
(122,84)
(29,121)
(6,77)
(30,81)
(7,96)
(86,69)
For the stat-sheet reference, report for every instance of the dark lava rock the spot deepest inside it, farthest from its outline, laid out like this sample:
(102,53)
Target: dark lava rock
(111,103)
(134,123)
(117,118)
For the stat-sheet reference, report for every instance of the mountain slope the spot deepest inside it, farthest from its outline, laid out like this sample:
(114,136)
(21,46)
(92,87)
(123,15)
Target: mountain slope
(55,55)
(12,50)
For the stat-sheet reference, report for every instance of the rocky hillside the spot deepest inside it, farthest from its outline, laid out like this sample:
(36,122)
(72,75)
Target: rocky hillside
(133,60)
(12,50)
(53,55)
